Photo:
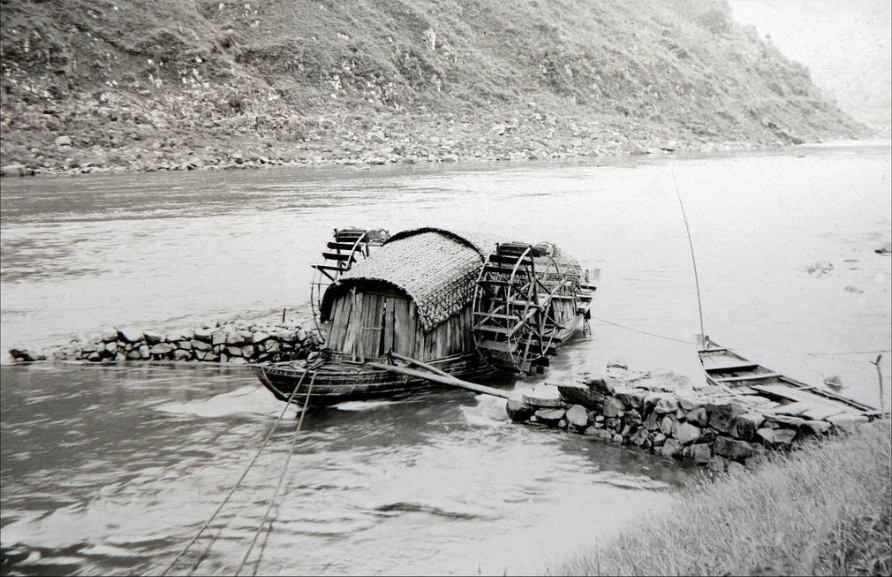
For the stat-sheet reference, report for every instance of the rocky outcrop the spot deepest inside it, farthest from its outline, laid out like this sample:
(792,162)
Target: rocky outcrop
(238,342)
(706,425)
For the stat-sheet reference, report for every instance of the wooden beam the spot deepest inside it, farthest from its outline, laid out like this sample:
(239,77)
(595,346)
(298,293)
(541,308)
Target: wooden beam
(443,380)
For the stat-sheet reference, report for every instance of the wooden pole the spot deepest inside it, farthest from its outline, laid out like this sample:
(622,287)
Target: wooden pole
(451,381)
(876,363)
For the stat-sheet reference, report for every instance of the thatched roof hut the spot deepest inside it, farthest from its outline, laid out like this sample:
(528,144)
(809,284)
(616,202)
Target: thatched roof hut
(419,284)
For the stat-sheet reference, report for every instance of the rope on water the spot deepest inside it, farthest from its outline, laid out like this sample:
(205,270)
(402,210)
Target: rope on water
(693,259)
(239,482)
(275,497)
(655,335)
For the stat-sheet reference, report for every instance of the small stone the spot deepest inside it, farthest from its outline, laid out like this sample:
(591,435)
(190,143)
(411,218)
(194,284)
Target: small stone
(666,405)
(577,416)
(617,438)
(236,338)
(111,347)
(667,425)
(15,170)
(200,345)
(259,337)
(600,434)
(550,417)
(659,439)
(717,464)
(612,408)
(599,385)
(181,355)
(746,425)
(562,424)
(697,416)
(733,449)
(687,433)
(161,349)
(701,453)
(63,141)
(688,404)
(144,352)
(130,335)
(817,427)
(776,438)
(134,355)
(722,416)
(639,438)
(89,348)
(203,335)
(652,422)
(184,345)
(217,338)
(671,448)
(272,346)
(518,410)
(153,338)
(579,394)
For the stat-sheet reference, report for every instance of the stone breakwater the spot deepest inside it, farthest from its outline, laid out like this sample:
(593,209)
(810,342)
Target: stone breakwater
(237,343)
(706,425)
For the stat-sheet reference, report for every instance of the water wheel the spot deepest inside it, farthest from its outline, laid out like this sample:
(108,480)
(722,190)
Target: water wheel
(350,245)
(516,323)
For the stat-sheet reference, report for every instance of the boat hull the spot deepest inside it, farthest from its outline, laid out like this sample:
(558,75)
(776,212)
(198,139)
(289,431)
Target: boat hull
(338,381)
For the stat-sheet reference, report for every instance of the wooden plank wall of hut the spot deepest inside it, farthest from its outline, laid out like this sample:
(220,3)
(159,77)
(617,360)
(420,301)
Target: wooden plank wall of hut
(373,322)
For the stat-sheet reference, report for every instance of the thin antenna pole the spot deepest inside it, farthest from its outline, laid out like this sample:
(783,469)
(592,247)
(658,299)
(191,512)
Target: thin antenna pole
(693,259)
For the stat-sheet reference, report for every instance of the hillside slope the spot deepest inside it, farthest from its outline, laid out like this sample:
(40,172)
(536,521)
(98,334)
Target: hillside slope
(140,85)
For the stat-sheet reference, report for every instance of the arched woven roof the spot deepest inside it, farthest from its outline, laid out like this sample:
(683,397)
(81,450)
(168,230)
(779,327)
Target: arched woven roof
(437,268)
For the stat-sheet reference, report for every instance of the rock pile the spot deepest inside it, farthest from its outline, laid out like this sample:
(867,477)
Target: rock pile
(239,342)
(707,426)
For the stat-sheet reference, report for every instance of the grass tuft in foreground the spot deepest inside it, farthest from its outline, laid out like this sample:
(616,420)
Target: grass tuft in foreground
(825,509)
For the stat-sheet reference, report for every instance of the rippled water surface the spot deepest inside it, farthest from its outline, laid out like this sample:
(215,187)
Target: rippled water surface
(113,469)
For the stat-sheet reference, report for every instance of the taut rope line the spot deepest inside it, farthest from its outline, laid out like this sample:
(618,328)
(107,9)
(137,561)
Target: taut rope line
(693,260)
(272,501)
(239,482)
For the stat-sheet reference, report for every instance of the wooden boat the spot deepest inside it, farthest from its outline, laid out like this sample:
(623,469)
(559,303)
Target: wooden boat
(462,305)
(726,369)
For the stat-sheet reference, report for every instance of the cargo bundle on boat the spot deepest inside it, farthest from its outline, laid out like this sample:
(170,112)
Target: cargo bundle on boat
(462,305)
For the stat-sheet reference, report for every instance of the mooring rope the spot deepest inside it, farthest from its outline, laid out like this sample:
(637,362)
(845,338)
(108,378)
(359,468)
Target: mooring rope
(693,259)
(238,483)
(275,497)
(605,321)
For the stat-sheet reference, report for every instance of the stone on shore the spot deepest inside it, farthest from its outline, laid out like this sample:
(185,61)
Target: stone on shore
(612,408)
(161,349)
(776,438)
(577,416)
(733,449)
(746,425)
(550,417)
(518,410)
(687,433)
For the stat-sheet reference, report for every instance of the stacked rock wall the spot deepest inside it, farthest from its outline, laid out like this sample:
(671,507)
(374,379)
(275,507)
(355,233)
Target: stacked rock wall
(238,342)
(708,426)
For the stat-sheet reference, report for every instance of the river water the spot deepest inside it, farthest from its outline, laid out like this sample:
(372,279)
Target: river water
(113,469)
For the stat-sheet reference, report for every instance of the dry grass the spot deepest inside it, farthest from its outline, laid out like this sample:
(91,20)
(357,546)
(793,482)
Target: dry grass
(823,510)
